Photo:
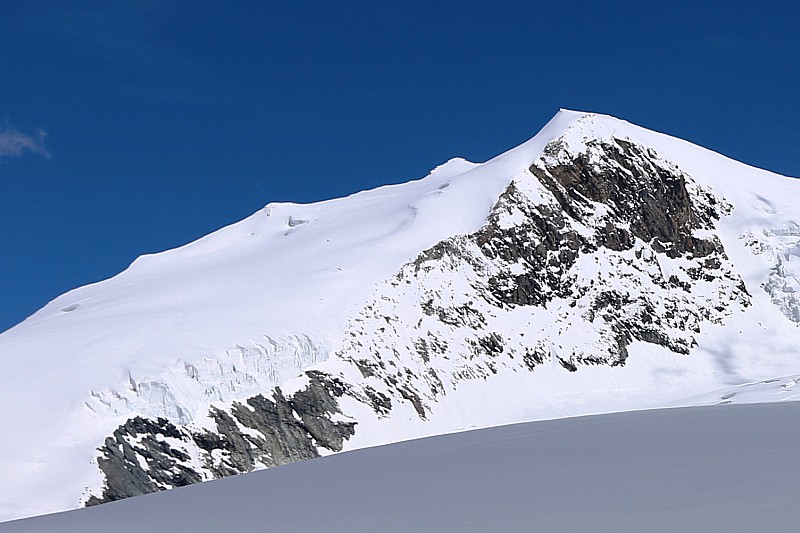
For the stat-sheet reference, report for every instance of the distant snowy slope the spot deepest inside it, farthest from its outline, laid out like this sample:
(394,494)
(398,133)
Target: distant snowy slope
(597,267)
(692,470)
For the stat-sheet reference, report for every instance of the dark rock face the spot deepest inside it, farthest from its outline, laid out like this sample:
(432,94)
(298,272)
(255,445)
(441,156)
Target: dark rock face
(141,440)
(642,202)
(579,259)
(139,458)
(544,242)
(651,200)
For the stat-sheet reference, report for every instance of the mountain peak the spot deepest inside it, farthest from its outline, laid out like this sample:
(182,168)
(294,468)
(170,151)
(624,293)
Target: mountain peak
(574,128)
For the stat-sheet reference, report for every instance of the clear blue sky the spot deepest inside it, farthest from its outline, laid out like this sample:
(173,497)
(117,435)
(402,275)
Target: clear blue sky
(133,127)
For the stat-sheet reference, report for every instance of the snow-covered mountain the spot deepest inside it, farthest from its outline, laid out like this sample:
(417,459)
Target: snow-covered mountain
(597,267)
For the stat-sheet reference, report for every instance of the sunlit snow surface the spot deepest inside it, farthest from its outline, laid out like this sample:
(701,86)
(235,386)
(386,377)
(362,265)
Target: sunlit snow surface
(730,468)
(253,304)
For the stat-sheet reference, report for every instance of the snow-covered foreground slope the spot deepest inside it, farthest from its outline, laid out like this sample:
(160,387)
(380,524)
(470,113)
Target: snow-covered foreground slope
(701,469)
(597,267)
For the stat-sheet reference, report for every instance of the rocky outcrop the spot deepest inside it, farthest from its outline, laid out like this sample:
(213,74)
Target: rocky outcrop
(145,455)
(139,458)
(588,253)
(646,200)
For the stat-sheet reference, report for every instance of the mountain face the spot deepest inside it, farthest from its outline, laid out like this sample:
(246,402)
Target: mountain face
(598,266)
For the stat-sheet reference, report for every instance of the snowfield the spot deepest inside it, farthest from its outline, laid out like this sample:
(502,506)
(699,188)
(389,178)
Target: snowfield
(730,468)
(253,305)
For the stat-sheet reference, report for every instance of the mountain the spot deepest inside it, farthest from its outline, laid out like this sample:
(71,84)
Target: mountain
(597,267)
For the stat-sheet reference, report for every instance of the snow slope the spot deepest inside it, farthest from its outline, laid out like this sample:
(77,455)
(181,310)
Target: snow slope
(700,469)
(252,305)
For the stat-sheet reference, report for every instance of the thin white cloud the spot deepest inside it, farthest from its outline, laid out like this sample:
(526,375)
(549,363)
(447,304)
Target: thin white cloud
(14,143)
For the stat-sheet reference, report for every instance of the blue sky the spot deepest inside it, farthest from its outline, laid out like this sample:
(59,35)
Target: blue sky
(133,127)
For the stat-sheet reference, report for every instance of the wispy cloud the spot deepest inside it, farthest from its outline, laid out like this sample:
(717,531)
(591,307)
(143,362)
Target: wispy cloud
(14,143)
